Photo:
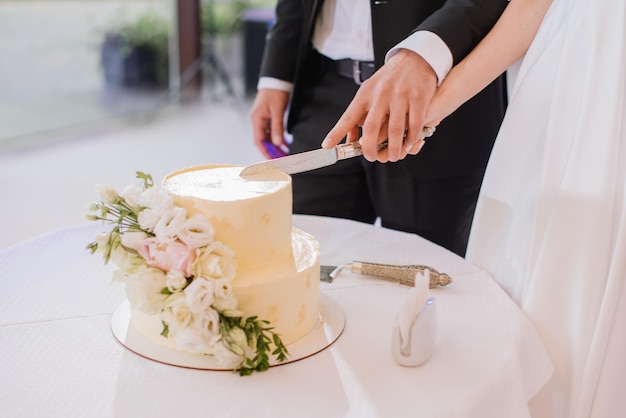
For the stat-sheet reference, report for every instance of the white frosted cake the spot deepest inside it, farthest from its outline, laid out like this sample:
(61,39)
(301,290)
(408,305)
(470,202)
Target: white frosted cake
(278,271)
(212,264)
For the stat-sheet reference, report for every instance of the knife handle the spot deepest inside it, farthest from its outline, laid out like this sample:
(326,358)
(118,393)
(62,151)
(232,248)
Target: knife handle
(353,149)
(404,275)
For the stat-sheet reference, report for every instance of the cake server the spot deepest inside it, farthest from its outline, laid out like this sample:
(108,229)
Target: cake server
(309,160)
(402,274)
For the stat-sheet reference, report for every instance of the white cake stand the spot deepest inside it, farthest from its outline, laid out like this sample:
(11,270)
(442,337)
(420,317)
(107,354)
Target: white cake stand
(327,330)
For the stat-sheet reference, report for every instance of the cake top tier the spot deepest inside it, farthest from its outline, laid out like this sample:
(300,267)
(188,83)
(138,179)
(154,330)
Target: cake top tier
(252,216)
(223,183)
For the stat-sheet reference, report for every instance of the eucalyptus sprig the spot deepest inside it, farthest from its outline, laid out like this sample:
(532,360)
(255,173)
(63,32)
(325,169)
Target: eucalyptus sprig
(259,337)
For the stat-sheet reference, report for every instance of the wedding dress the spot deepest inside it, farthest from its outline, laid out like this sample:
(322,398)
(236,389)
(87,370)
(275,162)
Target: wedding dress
(550,225)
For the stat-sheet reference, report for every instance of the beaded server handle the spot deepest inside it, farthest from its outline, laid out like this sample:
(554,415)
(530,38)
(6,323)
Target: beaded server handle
(403,274)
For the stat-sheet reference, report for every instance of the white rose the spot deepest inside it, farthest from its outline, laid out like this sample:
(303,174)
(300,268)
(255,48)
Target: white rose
(208,321)
(224,298)
(192,339)
(132,194)
(156,199)
(224,356)
(107,194)
(170,224)
(143,290)
(126,261)
(223,288)
(133,239)
(148,218)
(199,295)
(156,202)
(215,261)
(177,316)
(197,231)
(176,281)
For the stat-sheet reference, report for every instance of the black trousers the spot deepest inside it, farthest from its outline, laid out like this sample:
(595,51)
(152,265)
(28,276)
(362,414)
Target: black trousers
(438,209)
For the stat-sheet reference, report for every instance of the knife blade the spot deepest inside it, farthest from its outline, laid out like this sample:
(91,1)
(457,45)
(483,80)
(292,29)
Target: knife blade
(402,274)
(309,160)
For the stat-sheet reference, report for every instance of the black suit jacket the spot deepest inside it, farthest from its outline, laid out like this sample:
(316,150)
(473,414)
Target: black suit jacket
(463,141)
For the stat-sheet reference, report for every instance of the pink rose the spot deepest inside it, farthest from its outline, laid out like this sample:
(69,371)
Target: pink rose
(173,256)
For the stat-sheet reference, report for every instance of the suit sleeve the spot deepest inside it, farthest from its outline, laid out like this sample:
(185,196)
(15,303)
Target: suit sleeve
(283,40)
(461,24)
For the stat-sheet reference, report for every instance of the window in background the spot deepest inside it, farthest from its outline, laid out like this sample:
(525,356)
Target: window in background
(72,63)
(83,63)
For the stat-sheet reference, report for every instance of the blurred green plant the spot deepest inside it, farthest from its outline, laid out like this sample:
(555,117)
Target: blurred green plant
(145,36)
(146,30)
(223,17)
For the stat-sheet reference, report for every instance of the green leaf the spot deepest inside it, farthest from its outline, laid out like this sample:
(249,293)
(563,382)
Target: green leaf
(147,179)
(258,335)
(93,247)
(245,371)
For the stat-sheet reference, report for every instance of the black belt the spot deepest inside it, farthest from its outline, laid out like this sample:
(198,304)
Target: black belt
(359,71)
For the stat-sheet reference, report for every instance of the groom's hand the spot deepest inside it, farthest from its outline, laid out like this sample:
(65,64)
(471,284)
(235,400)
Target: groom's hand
(266,116)
(390,105)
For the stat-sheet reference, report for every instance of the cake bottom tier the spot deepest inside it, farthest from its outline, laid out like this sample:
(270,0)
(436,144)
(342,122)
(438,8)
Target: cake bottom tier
(285,293)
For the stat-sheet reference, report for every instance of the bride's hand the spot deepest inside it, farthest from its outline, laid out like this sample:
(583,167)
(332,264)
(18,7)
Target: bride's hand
(436,112)
(429,129)
(442,104)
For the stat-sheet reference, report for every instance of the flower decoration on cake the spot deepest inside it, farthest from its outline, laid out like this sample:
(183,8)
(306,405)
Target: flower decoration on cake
(173,267)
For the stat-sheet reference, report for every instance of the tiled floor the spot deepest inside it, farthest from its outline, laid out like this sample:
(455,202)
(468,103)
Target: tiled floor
(47,186)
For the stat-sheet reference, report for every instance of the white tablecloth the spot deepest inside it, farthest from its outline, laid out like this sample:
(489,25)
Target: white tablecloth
(60,359)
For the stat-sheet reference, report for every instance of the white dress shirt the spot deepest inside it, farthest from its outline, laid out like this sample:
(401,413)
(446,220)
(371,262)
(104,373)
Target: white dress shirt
(343,29)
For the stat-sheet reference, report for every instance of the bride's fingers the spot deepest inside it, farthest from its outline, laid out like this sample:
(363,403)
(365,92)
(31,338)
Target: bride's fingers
(383,155)
(426,132)
(416,147)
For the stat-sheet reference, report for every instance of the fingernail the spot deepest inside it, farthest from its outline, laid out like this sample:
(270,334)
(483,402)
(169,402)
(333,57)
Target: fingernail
(277,140)
(408,147)
(325,142)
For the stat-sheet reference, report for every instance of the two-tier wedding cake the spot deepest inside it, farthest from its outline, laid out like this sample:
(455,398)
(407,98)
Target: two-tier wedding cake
(278,274)
(212,264)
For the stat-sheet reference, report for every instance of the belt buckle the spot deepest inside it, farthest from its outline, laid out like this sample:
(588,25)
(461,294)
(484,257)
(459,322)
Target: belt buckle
(356,72)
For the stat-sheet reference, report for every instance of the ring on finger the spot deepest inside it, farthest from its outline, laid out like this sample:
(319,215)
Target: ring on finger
(427,132)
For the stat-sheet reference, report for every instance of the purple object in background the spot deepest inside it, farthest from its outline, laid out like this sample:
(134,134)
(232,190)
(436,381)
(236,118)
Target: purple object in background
(273,150)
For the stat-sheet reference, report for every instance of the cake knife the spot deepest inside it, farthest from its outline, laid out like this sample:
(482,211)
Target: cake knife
(309,160)
(402,274)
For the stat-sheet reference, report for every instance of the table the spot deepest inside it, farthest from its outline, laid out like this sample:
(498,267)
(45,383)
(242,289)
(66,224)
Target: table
(60,359)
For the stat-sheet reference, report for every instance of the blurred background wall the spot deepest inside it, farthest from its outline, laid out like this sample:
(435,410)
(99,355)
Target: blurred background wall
(67,64)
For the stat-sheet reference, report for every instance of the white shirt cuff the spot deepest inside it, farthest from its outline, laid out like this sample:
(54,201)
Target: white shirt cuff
(274,83)
(430,47)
